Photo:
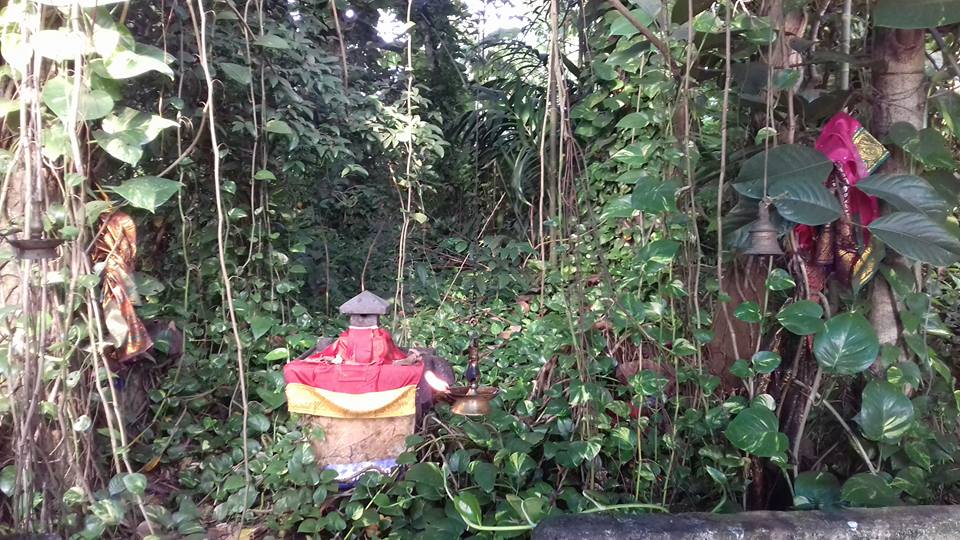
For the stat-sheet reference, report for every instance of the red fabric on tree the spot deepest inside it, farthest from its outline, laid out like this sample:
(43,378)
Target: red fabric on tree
(352,378)
(363,346)
(839,143)
(836,142)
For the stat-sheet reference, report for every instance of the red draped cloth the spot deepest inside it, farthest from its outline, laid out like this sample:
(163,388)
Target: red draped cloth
(352,379)
(362,346)
(835,247)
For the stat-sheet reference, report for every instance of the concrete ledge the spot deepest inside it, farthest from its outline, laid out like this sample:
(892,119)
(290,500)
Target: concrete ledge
(901,523)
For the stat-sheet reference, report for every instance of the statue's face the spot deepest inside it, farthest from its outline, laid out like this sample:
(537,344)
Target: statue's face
(364,320)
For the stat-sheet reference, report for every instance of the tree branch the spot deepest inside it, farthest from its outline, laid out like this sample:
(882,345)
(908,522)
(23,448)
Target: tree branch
(947,55)
(647,33)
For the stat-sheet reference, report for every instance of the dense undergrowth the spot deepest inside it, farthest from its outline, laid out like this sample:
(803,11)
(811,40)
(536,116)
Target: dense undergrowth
(568,195)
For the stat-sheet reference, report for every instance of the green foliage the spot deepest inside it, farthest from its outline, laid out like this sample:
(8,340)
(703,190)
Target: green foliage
(794,178)
(885,414)
(147,192)
(922,13)
(609,394)
(802,318)
(814,490)
(905,192)
(846,345)
(918,237)
(866,489)
(756,430)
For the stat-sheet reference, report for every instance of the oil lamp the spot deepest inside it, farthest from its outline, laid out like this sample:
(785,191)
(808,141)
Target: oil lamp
(473,399)
(763,234)
(33,247)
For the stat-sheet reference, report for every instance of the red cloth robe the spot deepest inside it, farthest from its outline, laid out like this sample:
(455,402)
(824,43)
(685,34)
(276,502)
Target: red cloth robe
(363,346)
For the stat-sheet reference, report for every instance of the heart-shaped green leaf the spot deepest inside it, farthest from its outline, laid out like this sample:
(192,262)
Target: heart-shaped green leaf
(469,508)
(748,312)
(147,192)
(741,369)
(846,345)
(260,325)
(655,195)
(765,361)
(58,95)
(756,430)
(646,14)
(780,280)
(125,133)
(125,64)
(867,489)
(816,490)
(135,483)
(484,474)
(885,413)
(802,318)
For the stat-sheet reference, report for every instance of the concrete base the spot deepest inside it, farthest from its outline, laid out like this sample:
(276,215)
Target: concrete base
(901,523)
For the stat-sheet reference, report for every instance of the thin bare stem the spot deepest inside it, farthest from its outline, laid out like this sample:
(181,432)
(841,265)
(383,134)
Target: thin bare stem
(221,240)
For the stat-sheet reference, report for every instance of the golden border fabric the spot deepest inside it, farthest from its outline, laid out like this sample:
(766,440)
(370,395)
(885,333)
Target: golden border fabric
(305,399)
(871,151)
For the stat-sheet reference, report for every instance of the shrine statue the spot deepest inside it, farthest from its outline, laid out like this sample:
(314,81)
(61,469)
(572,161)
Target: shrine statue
(843,249)
(363,391)
(364,342)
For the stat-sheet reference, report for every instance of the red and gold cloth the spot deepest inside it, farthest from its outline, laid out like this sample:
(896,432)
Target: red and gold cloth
(116,248)
(836,247)
(351,390)
(372,345)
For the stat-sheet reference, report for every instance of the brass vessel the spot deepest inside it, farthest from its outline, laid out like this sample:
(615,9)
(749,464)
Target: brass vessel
(473,399)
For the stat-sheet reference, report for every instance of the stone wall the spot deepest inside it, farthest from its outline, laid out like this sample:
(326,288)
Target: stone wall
(902,523)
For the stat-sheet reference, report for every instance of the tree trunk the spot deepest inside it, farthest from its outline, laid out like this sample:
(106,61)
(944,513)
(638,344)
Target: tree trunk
(898,83)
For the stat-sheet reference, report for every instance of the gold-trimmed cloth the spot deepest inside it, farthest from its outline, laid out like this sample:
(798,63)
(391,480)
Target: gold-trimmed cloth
(304,399)
(870,150)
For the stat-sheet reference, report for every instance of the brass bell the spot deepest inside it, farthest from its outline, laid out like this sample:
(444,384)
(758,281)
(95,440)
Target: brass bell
(763,235)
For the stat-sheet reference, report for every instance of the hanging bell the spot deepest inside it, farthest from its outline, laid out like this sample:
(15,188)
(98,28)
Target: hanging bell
(763,235)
